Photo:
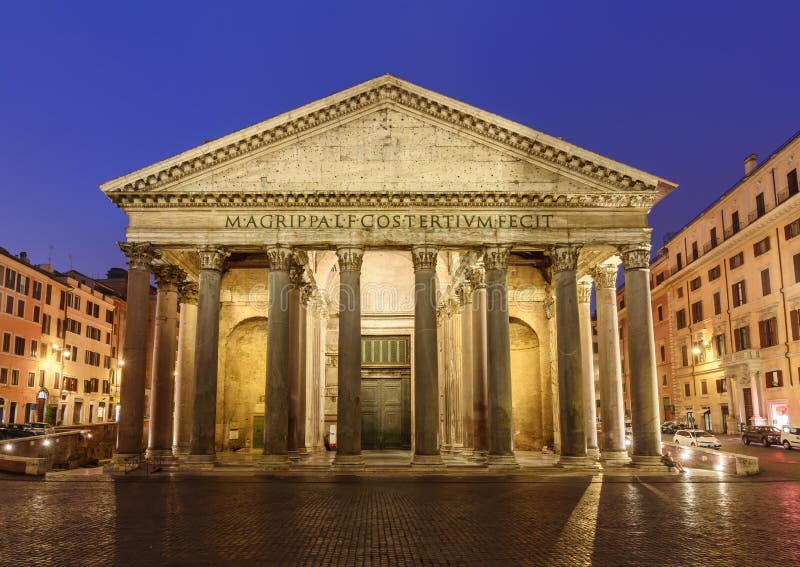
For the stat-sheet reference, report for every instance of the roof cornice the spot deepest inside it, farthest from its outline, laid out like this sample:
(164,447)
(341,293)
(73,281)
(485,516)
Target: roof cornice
(389,90)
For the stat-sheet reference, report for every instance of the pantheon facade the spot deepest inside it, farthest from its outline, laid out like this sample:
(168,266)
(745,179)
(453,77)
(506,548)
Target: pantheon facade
(387,268)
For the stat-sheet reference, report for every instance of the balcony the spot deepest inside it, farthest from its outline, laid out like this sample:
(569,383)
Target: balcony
(741,356)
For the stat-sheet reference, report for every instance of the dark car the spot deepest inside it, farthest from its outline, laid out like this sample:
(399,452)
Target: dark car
(764,434)
(16,430)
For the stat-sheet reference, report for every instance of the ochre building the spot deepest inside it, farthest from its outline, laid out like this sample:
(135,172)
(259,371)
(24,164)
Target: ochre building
(386,268)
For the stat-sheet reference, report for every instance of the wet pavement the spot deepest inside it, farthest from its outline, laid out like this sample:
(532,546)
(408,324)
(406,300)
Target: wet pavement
(86,518)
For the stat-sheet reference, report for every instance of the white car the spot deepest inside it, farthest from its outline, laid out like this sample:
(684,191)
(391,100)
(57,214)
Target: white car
(696,438)
(790,434)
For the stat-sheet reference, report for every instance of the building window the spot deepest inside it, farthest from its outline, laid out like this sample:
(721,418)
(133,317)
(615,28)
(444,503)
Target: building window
(15,377)
(679,292)
(685,355)
(34,348)
(739,295)
(3,375)
(713,237)
(695,283)
(796,261)
(713,273)
(660,310)
(768,332)
(695,252)
(761,208)
(761,247)
(736,261)
(10,302)
(48,294)
(37,313)
(31,379)
(46,321)
(679,260)
(697,311)
(42,376)
(6,342)
(717,303)
(19,346)
(687,391)
(11,278)
(704,387)
(37,290)
(735,222)
(741,338)
(663,353)
(659,278)
(791,182)
(719,345)
(792,229)
(20,308)
(680,317)
(774,378)
(722,385)
(766,288)
(663,379)
(794,316)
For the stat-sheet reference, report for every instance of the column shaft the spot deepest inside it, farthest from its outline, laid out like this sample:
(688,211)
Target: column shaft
(587,366)
(467,378)
(426,371)
(612,405)
(184,380)
(642,355)
(348,408)
(204,410)
(479,363)
(134,371)
(501,424)
(570,372)
(162,390)
(276,420)
(295,277)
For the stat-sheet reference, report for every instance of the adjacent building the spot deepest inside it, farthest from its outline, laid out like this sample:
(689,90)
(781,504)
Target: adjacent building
(726,304)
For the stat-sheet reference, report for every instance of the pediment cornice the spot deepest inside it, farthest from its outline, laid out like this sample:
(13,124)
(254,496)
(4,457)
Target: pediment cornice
(388,91)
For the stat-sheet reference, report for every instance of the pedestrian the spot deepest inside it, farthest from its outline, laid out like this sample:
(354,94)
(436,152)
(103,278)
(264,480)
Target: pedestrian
(667,459)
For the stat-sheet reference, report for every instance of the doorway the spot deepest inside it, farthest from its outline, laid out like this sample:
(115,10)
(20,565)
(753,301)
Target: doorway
(258,432)
(385,413)
(724,419)
(747,395)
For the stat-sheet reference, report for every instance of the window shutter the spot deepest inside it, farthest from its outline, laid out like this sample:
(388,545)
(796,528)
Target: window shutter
(795,317)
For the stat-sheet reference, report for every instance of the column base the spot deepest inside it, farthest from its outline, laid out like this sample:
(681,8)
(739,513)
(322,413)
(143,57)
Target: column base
(198,462)
(649,463)
(479,456)
(158,454)
(348,462)
(571,462)
(278,462)
(180,450)
(593,452)
(499,462)
(615,458)
(427,460)
(124,462)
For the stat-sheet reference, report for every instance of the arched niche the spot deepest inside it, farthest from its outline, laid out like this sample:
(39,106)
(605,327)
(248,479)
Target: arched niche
(526,386)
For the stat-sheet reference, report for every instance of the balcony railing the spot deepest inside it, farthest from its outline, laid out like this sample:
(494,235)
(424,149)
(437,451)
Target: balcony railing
(741,356)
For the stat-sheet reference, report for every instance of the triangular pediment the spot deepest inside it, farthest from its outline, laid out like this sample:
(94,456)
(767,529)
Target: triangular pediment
(388,136)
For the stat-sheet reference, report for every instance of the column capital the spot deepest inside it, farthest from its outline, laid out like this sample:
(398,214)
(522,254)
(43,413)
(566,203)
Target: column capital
(350,258)
(306,292)
(635,256)
(564,256)
(605,276)
(188,291)
(495,257)
(297,275)
(212,257)
(139,254)
(477,277)
(424,256)
(168,277)
(584,290)
(280,257)
(464,292)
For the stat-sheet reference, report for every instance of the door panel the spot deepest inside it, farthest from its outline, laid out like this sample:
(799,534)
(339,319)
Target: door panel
(383,410)
(258,432)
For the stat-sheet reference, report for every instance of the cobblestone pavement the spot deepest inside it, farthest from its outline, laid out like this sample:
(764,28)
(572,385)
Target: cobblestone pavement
(557,520)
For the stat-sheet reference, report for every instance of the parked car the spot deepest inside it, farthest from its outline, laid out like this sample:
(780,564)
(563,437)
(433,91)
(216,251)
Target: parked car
(40,428)
(696,438)
(669,427)
(16,430)
(764,434)
(790,435)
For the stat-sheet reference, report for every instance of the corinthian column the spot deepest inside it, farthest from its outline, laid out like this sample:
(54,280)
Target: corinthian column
(501,423)
(297,361)
(480,427)
(202,445)
(465,293)
(131,419)
(570,368)
(162,390)
(276,420)
(612,408)
(426,371)
(642,356)
(587,365)
(348,408)
(184,380)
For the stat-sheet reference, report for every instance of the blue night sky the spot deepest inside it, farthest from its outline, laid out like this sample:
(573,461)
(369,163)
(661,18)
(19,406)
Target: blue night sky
(92,90)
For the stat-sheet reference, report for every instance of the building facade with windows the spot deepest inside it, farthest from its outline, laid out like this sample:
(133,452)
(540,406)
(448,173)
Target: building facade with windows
(726,304)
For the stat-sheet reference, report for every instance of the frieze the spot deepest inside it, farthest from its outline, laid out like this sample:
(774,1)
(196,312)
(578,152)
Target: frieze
(424,257)
(379,95)
(382,200)
(139,254)
(212,257)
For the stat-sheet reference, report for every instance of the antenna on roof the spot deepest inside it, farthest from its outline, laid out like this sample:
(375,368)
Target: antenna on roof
(70,261)
(50,254)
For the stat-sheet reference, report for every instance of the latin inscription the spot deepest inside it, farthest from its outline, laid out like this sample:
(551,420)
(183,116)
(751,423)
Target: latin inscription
(378,221)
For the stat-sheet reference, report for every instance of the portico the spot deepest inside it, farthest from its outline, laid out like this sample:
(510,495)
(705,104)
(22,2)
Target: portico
(393,243)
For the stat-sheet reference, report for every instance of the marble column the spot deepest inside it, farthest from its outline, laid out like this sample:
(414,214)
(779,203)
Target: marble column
(426,371)
(206,361)
(480,423)
(162,389)
(570,372)
(501,423)
(276,395)
(587,366)
(295,283)
(348,403)
(612,404)
(642,356)
(302,372)
(467,379)
(134,372)
(184,379)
